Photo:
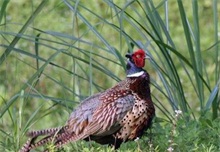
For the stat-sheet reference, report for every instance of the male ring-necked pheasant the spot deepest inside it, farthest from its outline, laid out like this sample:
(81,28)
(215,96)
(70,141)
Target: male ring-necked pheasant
(116,115)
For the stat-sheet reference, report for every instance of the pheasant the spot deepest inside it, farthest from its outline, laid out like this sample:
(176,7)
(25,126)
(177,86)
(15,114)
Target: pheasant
(112,117)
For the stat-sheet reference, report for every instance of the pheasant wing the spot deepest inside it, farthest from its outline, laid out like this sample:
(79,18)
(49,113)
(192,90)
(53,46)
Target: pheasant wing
(100,114)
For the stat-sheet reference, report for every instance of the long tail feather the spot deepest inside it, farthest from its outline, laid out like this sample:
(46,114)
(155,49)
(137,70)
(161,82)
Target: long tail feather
(43,141)
(25,147)
(44,132)
(53,134)
(58,139)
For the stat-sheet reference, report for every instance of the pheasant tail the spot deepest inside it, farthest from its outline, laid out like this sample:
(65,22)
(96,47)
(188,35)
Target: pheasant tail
(57,136)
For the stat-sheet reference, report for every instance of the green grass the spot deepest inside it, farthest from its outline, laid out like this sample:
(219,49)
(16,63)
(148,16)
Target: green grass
(53,54)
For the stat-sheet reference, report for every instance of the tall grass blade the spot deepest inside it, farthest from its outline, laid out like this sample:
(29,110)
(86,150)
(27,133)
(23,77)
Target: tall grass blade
(25,86)
(212,98)
(3,9)
(216,36)
(187,28)
(22,30)
(198,56)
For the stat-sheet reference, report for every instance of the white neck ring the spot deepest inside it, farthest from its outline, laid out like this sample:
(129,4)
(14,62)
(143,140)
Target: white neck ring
(135,74)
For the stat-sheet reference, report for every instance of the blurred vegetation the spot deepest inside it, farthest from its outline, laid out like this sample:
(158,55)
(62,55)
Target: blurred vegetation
(53,54)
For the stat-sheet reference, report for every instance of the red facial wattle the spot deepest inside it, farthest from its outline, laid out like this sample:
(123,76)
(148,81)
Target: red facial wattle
(139,58)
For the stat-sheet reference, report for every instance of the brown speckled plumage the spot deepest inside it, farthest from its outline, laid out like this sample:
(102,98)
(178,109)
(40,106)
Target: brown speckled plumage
(119,114)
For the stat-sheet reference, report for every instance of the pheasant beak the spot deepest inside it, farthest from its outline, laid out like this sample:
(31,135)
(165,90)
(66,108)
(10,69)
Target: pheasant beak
(147,57)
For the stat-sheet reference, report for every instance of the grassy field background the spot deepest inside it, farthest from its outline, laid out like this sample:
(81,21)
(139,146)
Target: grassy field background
(54,54)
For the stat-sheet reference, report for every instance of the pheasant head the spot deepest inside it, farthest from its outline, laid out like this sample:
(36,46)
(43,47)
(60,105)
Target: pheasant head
(135,63)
